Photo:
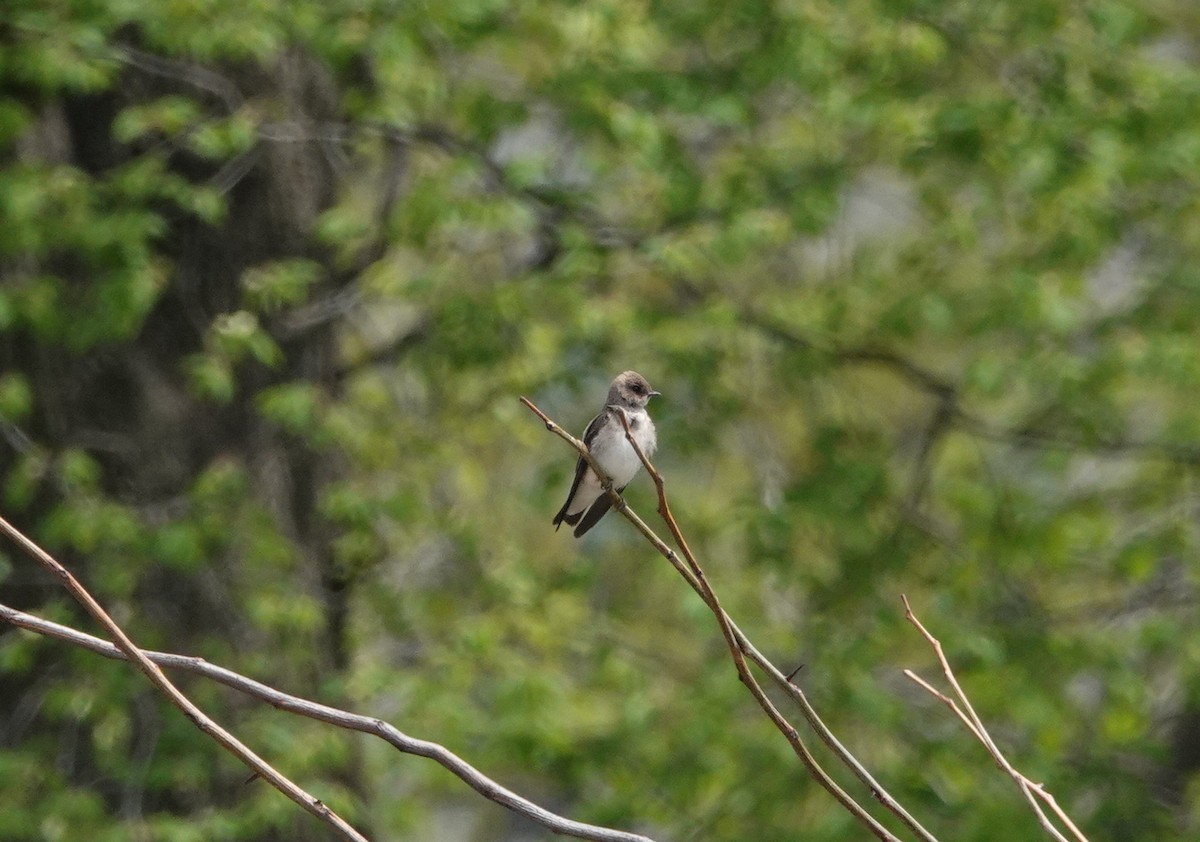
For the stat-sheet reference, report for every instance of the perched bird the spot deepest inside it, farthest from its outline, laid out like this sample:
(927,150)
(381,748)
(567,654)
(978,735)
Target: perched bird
(605,439)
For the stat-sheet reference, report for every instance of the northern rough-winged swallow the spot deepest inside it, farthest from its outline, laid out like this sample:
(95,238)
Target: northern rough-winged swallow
(605,439)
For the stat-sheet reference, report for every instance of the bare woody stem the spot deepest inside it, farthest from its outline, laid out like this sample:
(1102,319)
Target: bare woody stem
(160,681)
(467,773)
(965,711)
(741,648)
(736,651)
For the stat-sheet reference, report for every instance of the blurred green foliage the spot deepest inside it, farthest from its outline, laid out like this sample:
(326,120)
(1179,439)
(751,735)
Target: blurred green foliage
(918,282)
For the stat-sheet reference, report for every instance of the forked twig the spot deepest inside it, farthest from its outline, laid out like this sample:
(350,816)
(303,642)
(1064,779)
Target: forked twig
(475,779)
(741,648)
(736,652)
(963,709)
(227,741)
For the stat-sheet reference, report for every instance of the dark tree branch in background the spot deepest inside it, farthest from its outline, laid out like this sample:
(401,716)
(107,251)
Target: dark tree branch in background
(966,712)
(201,720)
(1029,437)
(479,782)
(742,649)
(940,422)
(950,400)
(440,137)
(555,206)
(944,390)
(189,73)
(317,313)
(389,352)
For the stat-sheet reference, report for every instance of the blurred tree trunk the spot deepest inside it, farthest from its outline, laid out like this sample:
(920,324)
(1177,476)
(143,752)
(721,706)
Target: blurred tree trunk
(128,404)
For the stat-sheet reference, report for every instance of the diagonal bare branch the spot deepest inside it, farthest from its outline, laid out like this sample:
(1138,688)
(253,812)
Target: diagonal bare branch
(201,720)
(467,773)
(741,649)
(964,710)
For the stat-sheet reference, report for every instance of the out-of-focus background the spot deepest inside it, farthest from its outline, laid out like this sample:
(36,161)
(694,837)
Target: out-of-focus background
(920,284)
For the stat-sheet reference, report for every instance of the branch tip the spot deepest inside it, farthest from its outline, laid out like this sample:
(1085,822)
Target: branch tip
(963,709)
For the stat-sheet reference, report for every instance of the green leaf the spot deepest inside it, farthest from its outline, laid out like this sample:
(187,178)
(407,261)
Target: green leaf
(273,286)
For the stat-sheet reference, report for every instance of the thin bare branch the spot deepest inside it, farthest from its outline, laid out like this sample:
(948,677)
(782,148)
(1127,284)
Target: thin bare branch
(947,701)
(467,773)
(744,647)
(201,720)
(826,735)
(735,650)
(741,648)
(962,708)
(195,75)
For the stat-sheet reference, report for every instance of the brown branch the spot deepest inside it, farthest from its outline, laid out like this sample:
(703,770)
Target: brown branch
(963,709)
(744,647)
(227,741)
(960,416)
(467,773)
(700,583)
(741,648)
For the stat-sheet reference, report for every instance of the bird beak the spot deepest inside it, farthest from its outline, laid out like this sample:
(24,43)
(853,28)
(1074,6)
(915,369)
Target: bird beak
(654,394)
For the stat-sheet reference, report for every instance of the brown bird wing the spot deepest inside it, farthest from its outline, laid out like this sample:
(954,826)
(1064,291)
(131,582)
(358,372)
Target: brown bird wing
(581,466)
(596,511)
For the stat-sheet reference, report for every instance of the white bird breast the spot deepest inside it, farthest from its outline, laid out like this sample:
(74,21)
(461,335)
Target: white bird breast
(614,453)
